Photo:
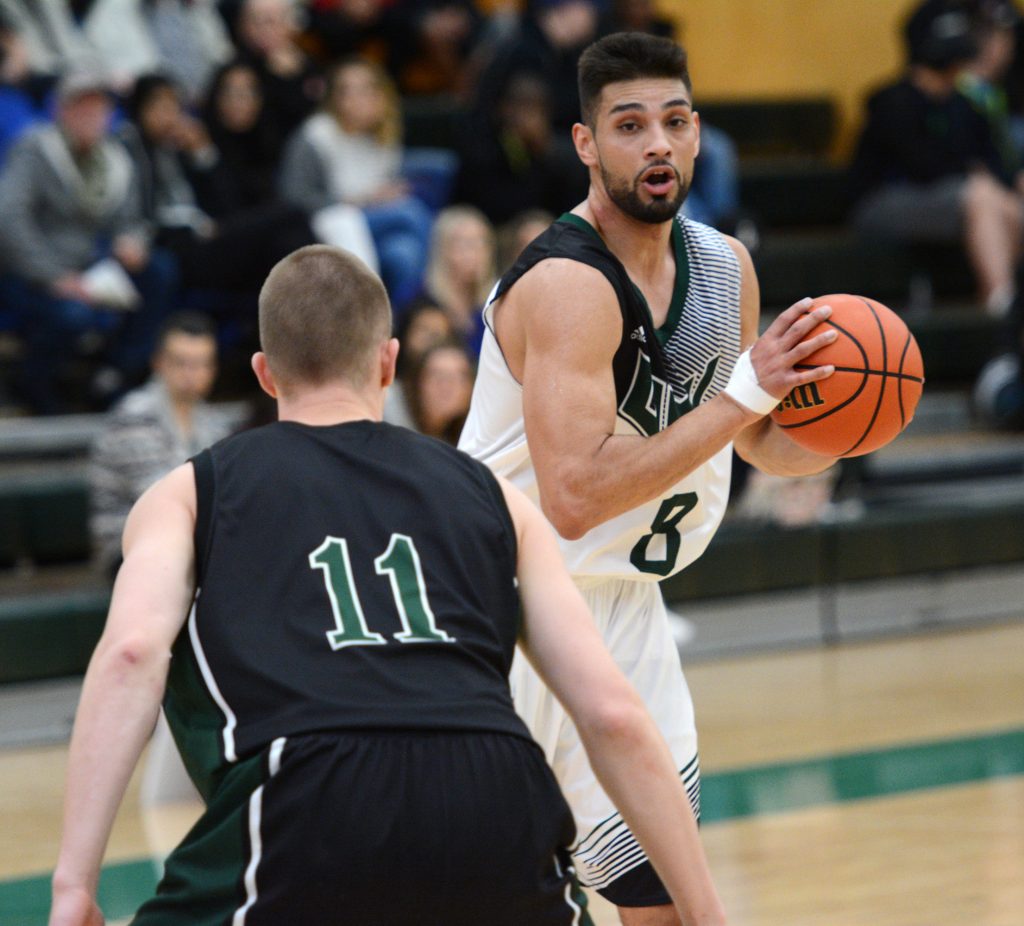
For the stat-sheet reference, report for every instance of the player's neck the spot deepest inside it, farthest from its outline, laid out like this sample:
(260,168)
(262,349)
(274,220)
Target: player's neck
(641,246)
(330,405)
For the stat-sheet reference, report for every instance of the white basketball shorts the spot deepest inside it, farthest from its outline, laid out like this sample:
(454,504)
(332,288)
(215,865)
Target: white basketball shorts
(632,620)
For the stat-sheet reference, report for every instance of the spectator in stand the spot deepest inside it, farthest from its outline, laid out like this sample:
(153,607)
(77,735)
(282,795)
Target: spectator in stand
(351,152)
(20,108)
(516,160)
(69,198)
(461,270)
(517,233)
(438,390)
(292,84)
(551,36)
(185,39)
(246,137)
(926,167)
(998,395)
(640,16)
(50,41)
(995,23)
(154,428)
(190,197)
(349,28)
(423,325)
(432,44)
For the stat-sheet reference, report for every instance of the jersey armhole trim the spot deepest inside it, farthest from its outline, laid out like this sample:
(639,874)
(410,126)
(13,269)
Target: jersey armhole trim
(202,465)
(489,325)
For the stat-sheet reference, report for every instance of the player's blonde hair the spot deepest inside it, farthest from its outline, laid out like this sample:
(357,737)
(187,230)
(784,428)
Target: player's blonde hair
(322,314)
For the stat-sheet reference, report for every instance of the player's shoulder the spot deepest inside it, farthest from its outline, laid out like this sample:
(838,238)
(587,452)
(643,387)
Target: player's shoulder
(718,252)
(173,492)
(562,302)
(700,237)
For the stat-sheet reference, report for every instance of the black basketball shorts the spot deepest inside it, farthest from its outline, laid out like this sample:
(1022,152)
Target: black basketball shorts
(379,829)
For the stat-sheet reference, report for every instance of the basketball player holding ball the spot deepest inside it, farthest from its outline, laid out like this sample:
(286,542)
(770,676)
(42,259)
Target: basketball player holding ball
(620,366)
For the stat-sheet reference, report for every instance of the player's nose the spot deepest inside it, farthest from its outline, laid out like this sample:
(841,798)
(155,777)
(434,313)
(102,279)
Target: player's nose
(657,142)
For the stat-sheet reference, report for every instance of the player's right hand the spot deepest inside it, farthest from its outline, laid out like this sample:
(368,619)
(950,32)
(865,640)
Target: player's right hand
(785,343)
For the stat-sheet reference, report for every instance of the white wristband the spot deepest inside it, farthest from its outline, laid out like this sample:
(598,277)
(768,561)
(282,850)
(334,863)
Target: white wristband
(744,388)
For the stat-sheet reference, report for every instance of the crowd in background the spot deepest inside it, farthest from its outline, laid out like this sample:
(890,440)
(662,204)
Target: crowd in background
(160,155)
(163,154)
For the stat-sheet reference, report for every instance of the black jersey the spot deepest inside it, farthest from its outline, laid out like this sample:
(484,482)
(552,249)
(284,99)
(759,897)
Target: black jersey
(356,576)
(574,238)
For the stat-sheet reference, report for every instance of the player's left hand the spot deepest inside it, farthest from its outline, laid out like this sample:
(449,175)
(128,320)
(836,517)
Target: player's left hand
(785,343)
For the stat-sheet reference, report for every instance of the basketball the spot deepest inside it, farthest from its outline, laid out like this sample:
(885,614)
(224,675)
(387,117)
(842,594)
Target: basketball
(874,391)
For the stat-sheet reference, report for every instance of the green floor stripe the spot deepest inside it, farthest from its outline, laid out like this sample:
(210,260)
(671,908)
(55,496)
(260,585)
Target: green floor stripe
(749,791)
(791,786)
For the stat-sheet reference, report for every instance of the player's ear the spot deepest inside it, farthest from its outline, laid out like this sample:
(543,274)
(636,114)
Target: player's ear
(388,359)
(263,375)
(583,139)
(696,125)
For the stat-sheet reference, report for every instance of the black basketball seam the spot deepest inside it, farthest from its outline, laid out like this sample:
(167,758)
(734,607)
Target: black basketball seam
(899,392)
(842,405)
(892,374)
(881,392)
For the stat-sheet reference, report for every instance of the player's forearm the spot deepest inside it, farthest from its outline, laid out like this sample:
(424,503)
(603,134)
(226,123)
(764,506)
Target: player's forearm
(118,708)
(767,447)
(582,490)
(635,768)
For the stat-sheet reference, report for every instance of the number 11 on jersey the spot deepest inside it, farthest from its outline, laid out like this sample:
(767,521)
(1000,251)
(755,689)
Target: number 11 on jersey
(401,564)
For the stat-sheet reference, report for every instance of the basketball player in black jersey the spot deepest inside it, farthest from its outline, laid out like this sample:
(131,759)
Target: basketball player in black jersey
(328,607)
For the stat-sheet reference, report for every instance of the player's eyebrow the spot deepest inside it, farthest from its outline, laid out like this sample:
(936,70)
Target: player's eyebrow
(639,107)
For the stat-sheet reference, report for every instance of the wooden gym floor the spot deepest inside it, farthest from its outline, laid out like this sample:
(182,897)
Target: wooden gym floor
(876,783)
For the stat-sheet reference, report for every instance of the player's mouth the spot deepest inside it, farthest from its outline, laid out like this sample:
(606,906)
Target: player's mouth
(659,180)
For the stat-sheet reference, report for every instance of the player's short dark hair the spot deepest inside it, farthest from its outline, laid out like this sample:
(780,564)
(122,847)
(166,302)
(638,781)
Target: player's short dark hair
(195,324)
(322,313)
(627,56)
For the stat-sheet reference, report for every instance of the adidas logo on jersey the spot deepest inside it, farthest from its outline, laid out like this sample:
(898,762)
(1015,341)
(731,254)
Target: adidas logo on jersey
(639,335)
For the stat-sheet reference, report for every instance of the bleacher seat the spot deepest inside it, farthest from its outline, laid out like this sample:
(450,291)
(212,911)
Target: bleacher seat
(774,127)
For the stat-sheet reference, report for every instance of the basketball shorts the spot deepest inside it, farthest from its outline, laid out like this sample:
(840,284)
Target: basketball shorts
(378,829)
(632,620)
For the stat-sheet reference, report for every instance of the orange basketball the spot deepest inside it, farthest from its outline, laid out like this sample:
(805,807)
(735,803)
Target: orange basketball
(872,395)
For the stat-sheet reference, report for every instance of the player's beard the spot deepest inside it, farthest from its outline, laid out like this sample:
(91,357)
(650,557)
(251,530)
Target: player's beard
(626,196)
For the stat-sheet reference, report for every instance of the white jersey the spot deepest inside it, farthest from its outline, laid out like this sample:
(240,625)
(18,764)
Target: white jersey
(660,374)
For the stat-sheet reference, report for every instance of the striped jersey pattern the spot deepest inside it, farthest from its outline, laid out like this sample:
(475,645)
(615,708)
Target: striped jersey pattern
(609,850)
(710,323)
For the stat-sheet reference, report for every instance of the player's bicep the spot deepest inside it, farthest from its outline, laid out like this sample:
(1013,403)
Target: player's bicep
(573,328)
